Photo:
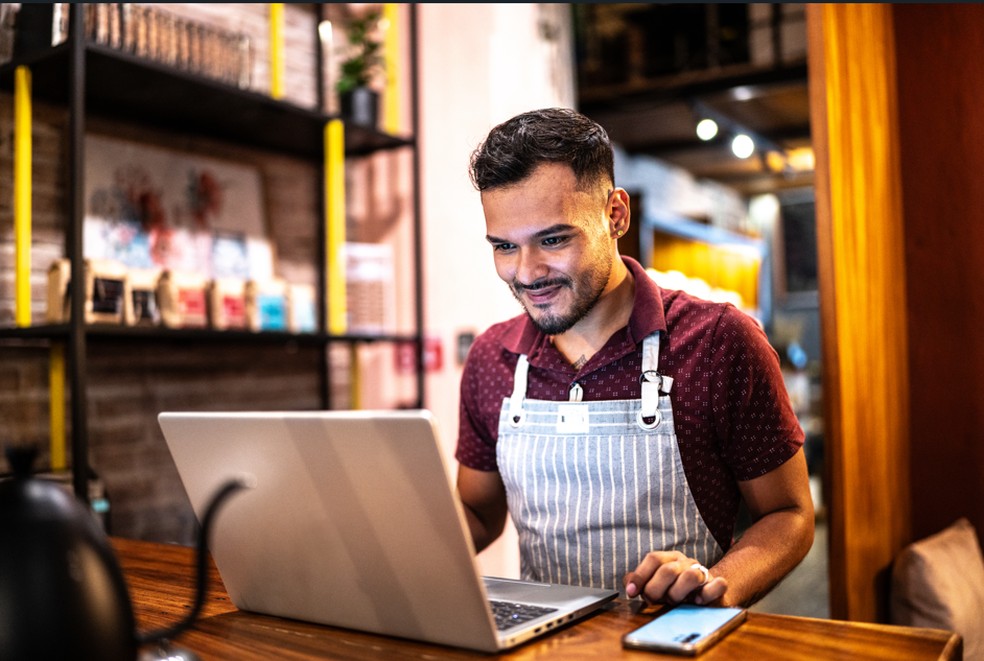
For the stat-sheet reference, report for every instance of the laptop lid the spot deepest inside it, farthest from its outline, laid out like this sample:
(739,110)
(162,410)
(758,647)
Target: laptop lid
(353,521)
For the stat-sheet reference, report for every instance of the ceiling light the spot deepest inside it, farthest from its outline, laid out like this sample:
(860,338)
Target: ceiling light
(742,146)
(707,129)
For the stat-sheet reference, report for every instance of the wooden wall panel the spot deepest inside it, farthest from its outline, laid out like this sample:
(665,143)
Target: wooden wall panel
(941,134)
(861,253)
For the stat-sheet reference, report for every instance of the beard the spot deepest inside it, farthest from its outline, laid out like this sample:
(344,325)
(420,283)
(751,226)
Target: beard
(585,290)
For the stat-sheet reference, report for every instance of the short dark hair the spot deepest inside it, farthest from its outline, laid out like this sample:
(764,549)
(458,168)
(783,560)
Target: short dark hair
(516,147)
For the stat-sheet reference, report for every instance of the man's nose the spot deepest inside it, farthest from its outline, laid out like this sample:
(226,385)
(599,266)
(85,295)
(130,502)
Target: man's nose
(529,266)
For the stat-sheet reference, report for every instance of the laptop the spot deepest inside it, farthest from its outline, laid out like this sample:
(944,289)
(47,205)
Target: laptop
(352,521)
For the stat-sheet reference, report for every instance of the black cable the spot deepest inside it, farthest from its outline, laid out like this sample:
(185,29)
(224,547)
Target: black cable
(201,581)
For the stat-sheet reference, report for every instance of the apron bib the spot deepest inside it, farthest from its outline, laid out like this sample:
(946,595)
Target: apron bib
(594,486)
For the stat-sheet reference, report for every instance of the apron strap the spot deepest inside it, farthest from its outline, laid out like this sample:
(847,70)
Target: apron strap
(653,383)
(516,412)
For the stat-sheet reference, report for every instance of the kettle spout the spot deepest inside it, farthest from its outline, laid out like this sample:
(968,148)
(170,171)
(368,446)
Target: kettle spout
(201,576)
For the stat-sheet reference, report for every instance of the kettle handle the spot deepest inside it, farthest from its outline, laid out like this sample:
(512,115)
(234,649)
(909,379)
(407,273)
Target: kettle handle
(201,580)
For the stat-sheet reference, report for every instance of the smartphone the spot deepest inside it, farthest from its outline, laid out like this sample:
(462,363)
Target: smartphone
(685,629)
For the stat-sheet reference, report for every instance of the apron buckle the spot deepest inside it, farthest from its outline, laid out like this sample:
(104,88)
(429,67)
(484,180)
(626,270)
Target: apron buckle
(649,421)
(663,383)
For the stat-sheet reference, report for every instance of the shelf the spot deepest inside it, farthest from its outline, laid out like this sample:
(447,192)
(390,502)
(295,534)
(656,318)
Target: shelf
(689,229)
(159,334)
(92,80)
(122,86)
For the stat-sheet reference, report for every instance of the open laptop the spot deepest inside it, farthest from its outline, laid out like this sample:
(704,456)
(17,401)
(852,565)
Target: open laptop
(353,522)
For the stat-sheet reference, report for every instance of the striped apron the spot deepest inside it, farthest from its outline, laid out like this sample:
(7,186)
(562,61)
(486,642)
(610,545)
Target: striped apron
(594,486)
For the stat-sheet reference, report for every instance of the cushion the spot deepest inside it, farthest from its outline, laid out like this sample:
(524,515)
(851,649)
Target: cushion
(938,582)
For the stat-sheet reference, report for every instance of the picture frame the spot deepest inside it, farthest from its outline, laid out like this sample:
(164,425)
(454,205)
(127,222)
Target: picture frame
(151,207)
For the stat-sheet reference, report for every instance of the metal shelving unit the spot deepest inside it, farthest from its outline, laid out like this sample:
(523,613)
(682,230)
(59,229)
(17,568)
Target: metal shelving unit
(91,79)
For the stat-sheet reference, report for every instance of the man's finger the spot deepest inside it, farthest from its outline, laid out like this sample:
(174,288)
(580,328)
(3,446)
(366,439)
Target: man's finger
(635,581)
(712,591)
(688,581)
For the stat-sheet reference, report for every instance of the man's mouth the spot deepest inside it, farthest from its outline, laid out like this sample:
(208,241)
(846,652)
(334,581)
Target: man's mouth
(540,293)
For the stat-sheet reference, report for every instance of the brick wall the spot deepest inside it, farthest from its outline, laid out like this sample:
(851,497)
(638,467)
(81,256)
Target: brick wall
(130,381)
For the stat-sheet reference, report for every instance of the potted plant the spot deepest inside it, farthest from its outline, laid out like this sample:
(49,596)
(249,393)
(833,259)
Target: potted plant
(362,66)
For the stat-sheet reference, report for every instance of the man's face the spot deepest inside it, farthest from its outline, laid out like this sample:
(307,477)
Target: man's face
(551,244)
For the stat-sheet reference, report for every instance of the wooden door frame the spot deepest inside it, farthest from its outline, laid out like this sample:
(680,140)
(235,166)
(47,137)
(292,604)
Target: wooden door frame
(860,248)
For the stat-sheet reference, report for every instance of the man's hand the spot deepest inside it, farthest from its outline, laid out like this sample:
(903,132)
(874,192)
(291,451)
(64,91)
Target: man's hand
(780,536)
(670,577)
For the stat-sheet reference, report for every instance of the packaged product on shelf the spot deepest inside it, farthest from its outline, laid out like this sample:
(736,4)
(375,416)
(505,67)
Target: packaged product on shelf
(58,276)
(141,298)
(266,304)
(105,291)
(114,293)
(301,309)
(370,283)
(182,299)
(227,304)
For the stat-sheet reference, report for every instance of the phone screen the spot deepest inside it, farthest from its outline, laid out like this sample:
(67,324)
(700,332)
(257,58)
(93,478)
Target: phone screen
(685,629)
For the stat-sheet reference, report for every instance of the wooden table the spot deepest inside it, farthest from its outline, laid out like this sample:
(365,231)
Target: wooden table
(160,578)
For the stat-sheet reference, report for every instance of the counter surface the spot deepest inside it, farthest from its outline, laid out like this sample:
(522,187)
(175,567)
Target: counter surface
(161,577)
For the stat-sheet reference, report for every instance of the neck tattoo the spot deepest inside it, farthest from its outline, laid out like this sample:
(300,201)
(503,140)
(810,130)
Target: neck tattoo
(579,363)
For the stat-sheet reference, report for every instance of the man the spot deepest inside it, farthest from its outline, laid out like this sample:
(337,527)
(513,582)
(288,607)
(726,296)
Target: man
(618,423)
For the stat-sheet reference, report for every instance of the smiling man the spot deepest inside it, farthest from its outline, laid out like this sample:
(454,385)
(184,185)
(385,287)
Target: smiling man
(619,424)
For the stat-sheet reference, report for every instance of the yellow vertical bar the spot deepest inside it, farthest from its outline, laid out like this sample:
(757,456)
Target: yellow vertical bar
(277,50)
(335,225)
(391,58)
(56,403)
(22,196)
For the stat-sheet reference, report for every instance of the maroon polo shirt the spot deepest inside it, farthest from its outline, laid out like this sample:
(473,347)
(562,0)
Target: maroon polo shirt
(731,411)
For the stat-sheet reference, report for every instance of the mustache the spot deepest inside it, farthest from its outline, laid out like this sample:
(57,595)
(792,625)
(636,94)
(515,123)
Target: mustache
(540,284)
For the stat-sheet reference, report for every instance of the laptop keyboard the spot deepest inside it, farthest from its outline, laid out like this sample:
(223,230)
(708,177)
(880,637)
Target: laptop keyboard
(508,614)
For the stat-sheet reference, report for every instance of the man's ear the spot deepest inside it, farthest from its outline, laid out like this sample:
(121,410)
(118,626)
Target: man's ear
(619,214)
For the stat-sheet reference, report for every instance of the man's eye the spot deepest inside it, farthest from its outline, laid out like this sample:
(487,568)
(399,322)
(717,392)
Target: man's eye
(503,247)
(554,240)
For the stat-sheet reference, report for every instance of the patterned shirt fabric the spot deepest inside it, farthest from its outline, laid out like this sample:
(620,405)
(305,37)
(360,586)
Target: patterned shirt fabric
(732,413)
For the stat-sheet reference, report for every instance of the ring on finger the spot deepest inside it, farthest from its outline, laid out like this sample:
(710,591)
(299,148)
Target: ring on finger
(703,570)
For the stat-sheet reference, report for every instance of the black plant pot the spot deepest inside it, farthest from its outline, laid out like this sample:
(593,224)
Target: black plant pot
(360,106)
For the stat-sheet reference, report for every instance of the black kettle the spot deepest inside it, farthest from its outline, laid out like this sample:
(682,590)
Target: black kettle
(62,591)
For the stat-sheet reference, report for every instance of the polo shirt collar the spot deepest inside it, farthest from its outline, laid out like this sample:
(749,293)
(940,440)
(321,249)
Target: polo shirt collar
(647,317)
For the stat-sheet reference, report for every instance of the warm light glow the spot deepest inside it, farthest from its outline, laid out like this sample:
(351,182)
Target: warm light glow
(801,159)
(775,160)
(325,33)
(763,211)
(707,129)
(742,146)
